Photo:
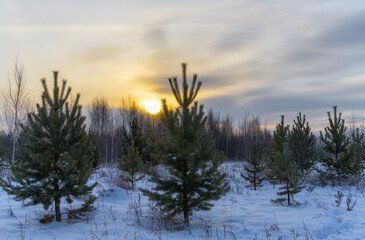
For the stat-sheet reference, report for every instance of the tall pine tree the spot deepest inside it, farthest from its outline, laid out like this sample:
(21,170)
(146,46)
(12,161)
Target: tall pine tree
(255,165)
(337,157)
(281,164)
(56,155)
(302,143)
(188,154)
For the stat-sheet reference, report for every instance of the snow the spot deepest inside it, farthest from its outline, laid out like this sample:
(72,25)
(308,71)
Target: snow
(113,194)
(242,214)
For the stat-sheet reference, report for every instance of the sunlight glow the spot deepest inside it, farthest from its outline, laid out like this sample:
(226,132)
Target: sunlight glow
(152,107)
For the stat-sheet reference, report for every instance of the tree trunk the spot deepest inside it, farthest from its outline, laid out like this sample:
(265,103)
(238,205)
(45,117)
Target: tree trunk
(57,209)
(254,181)
(13,151)
(186,208)
(287,190)
(106,150)
(15,132)
(132,180)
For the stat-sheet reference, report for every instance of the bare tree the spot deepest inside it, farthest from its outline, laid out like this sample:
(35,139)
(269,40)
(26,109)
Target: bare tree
(100,120)
(128,110)
(16,103)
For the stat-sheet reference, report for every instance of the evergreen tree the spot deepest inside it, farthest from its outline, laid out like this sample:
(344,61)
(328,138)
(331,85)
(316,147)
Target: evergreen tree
(357,150)
(336,145)
(132,164)
(134,134)
(281,164)
(188,154)
(302,143)
(55,156)
(256,165)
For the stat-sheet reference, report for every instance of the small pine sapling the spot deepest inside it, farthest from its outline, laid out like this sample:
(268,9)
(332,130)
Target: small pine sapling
(255,165)
(337,157)
(338,197)
(287,172)
(302,144)
(132,165)
(281,164)
(134,133)
(357,151)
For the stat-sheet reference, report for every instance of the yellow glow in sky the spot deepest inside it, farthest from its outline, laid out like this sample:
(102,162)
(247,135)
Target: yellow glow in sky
(153,107)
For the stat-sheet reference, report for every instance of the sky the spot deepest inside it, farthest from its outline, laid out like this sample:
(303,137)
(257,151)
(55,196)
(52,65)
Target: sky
(269,58)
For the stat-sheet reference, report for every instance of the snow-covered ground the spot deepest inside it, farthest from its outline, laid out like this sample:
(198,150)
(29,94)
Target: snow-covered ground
(241,214)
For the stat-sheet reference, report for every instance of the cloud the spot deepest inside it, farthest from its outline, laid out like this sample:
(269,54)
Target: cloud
(347,32)
(155,37)
(101,54)
(265,57)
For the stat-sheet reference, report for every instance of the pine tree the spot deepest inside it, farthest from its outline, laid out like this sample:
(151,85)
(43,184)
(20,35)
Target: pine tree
(281,164)
(188,154)
(256,165)
(135,135)
(336,145)
(132,164)
(55,156)
(302,143)
(357,150)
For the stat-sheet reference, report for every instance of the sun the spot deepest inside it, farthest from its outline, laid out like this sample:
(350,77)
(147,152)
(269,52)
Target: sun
(152,107)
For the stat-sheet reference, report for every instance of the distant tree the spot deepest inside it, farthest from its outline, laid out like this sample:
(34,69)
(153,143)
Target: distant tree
(132,164)
(56,155)
(187,153)
(255,167)
(133,134)
(15,104)
(302,144)
(336,146)
(281,164)
(250,126)
(128,110)
(227,136)
(100,122)
(235,143)
(1,155)
(213,124)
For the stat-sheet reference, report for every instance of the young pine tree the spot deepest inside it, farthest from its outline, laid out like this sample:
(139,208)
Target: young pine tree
(55,156)
(134,134)
(302,143)
(281,164)
(132,165)
(255,165)
(187,153)
(357,150)
(336,145)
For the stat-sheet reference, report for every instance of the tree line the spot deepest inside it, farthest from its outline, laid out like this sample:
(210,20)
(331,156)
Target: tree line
(108,123)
